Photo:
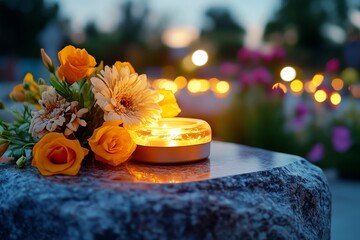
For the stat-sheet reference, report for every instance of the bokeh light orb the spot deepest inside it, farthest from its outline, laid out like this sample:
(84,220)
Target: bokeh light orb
(194,86)
(310,87)
(222,87)
(335,98)
(337,84)
(179,37)
(288,74)
(181,82)
(320,96)
(297,86)
(317,79)
(199,57)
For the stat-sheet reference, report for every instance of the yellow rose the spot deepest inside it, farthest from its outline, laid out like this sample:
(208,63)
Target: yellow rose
(111,144)
(31,88)
(120,65)
(18,94)
(75,63)
(169,106)
(55,154)
(28,91)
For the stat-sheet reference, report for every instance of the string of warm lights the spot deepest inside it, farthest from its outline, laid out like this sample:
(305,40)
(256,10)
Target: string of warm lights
(315,87)
(194,86)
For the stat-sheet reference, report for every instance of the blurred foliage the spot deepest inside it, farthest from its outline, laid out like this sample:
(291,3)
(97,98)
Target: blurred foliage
(299,26)
(255,117)
(264,115)
(134,40)
(222,32)
(20,25)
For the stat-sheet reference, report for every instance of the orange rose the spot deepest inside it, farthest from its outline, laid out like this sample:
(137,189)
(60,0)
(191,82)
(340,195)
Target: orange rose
(120,65)
(111,144)
(55,154)
(75,63)
(168,105)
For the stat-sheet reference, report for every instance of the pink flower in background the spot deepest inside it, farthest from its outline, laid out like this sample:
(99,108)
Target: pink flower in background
(248,56)
(301,110)
(277,53)
(316,153)
(262,75)
(332,65)
(341,139)
(246,79)
(301,113)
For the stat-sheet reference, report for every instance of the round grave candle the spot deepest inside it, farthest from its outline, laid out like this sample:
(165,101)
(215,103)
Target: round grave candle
(173,140)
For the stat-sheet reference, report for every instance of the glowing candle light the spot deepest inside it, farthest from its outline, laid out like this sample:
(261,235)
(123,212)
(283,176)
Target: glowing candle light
(173,140)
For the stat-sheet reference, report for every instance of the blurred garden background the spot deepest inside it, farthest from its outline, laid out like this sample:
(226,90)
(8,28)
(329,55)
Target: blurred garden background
(277,74)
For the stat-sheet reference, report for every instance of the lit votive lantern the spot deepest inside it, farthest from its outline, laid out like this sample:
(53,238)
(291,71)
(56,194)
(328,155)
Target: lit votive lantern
(173,140)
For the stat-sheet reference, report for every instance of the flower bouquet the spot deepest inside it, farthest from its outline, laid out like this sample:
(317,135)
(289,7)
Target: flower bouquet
(87,109)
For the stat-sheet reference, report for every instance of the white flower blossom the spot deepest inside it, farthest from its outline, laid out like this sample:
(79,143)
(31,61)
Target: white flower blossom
(52,115)
(126,97)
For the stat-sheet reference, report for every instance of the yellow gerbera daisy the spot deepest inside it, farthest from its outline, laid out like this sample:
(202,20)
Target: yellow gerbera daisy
(126,97)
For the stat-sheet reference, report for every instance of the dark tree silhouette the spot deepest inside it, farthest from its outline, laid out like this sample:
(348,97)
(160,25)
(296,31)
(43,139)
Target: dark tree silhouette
(301,24)
(20,25)
(128,42)
(223,32)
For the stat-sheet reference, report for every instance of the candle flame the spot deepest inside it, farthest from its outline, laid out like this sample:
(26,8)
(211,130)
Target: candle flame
(174,131)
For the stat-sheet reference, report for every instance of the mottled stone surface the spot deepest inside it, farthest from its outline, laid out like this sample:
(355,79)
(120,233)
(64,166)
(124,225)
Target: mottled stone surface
(280,197)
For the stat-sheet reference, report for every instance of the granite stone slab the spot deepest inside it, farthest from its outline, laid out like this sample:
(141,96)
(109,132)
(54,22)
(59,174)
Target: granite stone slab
(238,193)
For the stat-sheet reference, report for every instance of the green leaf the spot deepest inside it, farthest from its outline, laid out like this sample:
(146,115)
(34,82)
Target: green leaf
(61,87)
(17,152)
(21,161)
(24,127)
